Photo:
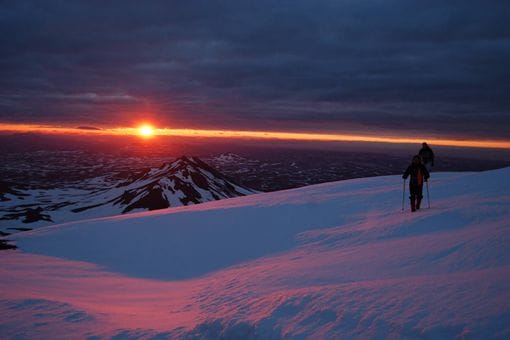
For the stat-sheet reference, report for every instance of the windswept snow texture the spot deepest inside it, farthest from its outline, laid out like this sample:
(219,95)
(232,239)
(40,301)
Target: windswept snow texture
(335,260)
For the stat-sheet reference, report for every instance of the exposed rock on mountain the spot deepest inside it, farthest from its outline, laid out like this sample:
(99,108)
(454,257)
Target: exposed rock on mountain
(185,181)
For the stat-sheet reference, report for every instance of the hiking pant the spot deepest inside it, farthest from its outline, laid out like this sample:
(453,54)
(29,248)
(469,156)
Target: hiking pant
(416,190)
(416,194)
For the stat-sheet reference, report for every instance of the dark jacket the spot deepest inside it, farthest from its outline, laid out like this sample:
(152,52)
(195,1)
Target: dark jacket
(427,155)
(418,173)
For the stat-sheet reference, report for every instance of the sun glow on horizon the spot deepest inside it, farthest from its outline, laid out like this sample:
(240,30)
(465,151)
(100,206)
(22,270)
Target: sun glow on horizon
(147,131)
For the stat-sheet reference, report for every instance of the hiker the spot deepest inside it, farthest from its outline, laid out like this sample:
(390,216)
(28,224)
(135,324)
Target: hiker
(419,174)
(427,155)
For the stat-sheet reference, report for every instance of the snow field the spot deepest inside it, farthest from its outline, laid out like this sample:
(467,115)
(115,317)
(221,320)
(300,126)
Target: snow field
(333,260)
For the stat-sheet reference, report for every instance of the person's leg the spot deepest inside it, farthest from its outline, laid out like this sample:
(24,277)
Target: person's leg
(419,195)
(412,196)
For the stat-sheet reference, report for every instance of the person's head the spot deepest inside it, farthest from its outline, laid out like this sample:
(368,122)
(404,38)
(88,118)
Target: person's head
(416,159)
(424,144)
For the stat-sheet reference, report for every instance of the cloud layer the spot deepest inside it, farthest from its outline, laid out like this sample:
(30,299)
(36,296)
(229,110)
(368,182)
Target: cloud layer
(435,67)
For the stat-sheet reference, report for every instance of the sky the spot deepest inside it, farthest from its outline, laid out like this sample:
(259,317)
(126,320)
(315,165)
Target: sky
(438,69)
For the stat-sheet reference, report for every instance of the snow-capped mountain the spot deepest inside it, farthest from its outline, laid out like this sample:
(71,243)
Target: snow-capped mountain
(329,261)
(182,182)
(185,181)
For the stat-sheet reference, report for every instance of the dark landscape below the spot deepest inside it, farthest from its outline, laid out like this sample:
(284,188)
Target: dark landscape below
(45,181)
(34,162)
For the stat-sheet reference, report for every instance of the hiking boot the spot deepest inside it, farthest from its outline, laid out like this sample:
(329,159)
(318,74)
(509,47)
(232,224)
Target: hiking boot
(418,202)
(413,206)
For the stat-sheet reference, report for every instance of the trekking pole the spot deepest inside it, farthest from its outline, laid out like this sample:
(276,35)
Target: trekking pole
(403,194)
(428,195)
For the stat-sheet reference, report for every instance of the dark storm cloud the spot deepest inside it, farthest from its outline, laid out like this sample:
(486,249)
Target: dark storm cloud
(88,128)
(438,67)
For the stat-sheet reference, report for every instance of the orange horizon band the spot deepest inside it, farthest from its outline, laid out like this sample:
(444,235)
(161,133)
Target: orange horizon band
(245,134)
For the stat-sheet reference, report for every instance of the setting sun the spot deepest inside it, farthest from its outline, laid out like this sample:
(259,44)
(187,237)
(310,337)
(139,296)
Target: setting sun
(146,130)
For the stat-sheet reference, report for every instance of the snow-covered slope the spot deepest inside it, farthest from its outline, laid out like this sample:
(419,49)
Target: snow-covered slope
(335,260)
(184,181)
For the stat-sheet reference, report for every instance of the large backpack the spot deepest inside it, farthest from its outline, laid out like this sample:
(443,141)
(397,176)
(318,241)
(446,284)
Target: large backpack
(426,155)
(419,176)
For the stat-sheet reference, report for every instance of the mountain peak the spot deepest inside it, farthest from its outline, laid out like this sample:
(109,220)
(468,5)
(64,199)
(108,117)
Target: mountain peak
(183,181)
(186,180)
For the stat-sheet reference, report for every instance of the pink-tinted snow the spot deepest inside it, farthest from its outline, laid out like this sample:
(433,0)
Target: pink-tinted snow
(326,261)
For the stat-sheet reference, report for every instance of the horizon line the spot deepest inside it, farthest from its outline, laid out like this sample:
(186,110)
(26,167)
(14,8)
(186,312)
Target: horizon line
(254,134)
